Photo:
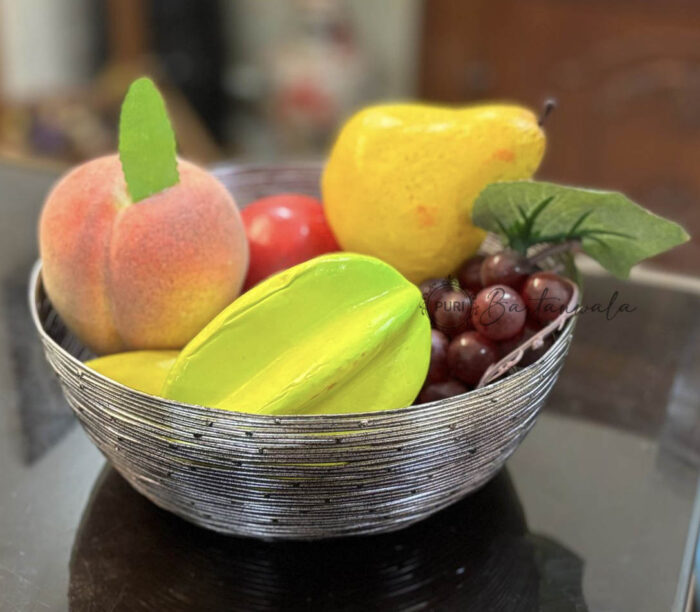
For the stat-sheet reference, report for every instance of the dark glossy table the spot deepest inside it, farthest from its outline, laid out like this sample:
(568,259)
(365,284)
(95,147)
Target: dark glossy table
(594,511)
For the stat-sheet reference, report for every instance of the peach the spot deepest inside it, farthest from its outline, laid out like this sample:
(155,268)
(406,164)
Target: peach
(144,275)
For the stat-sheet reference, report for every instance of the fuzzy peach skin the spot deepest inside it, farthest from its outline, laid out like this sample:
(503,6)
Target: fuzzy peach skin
(145,275)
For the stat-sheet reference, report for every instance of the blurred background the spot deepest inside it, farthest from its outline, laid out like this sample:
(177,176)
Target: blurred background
(260,80)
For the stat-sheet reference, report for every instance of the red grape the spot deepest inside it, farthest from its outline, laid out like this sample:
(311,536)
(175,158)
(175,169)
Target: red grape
(469,274)
(441,390)
(451,312)
(499,312)
(427,287)
(546,295)
(437,372)
(506,268)
(469,355)
(530,355)
(431,290)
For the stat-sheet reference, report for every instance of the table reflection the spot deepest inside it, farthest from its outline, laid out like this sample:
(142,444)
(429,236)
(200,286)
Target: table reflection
(476,555)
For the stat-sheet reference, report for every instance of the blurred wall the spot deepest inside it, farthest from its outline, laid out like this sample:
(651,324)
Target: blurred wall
(389,33)
(333,56)
(627,77)
(45,46)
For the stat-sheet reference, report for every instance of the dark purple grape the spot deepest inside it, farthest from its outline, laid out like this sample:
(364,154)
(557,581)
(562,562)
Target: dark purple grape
(437,372)
(441,390)
(427,287)
(469,274)
(506,268)
(431,290)
(546,296)
(529,356)
(499,312)
(469,355)
(451,314)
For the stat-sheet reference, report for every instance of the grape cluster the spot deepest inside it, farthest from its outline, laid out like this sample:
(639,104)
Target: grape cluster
(494,304)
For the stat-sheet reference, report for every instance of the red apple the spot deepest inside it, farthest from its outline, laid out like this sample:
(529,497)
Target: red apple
(284,230)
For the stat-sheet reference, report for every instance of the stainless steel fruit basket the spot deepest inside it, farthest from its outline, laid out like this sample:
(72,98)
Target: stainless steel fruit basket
(297,477)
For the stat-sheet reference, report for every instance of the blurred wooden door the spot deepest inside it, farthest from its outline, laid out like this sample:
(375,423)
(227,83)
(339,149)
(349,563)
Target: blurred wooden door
(627,77)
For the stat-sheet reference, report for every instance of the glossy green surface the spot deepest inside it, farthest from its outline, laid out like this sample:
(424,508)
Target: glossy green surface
(141,370)
(340,333)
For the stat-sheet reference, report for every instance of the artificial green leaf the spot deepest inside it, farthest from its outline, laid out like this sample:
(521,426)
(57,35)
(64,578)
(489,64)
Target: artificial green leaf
(611,228)
(146,141)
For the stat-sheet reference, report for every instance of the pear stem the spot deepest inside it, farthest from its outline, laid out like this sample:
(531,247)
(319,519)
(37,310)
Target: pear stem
(549,105)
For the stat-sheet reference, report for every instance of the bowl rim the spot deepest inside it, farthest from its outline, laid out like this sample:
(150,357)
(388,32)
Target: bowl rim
(36,283)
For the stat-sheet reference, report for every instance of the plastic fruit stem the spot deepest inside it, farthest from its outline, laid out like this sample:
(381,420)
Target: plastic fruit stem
(512,359)
(553,249)
(549,105)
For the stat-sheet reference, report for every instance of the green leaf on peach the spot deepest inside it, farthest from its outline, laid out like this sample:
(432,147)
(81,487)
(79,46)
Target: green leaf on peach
(146,141)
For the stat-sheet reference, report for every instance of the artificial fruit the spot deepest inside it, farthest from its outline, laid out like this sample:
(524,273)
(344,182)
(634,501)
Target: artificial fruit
(401,179)
(284,230)
(339,333)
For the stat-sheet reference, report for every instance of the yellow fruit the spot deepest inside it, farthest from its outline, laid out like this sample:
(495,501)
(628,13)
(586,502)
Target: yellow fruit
(141,370)
(339,333)
(401,179)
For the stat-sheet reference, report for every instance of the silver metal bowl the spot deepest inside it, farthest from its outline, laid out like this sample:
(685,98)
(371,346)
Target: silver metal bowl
(297,477)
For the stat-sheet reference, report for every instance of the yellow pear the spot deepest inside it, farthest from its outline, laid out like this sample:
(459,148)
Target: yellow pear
(401,179)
